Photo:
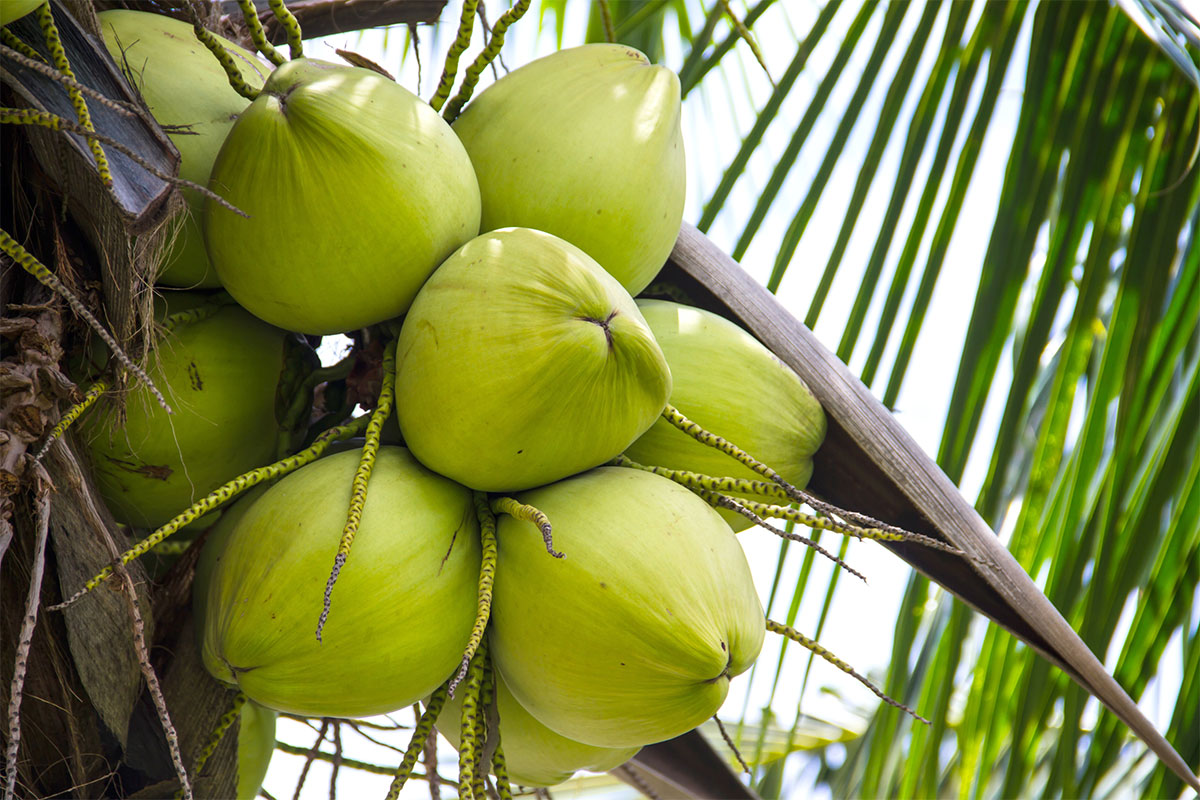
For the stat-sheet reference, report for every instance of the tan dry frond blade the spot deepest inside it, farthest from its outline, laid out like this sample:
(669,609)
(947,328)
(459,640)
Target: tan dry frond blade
(871,464)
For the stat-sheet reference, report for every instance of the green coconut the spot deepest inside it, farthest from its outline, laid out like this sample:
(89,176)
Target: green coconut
(403,606)
(522,362)
(183,85)
(13,10)
(356,191)
(633,637)
(256,724)
(534,754)
(727,382)
(585,144)
(256,745)
(219,376)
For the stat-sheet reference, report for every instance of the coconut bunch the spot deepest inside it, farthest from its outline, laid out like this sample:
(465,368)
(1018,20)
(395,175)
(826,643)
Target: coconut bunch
(518,552)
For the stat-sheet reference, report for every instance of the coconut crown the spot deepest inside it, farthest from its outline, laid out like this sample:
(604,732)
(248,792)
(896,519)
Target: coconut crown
(403,605)
(355,189)
(727,382)
(585,144)
(183,85)
(632,638)
(522,362)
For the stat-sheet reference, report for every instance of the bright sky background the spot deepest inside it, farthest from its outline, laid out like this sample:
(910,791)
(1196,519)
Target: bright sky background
(715,121)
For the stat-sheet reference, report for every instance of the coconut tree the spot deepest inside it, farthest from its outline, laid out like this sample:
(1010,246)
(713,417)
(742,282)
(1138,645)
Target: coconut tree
(846,149)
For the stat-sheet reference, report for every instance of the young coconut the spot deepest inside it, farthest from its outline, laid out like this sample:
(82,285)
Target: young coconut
(726,381)
(634,637)
(183,85)
(356,191)
(585,144)
(534,754)
(522,362)
(255,746)
(407,596)
(219,375)
(13,10)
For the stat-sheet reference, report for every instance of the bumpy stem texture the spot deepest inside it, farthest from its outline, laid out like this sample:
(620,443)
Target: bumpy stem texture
(221,495)
(73,413)
(152,684)
(232,74)
(290,24)
(507,505)
(500,770)
(486,57)
(417,744)
(362,477)
(15,42)
(485,734)
(487,578)
(58,55)
(25,640)
(809,644)
(470,731)
(258,35)
(731,745)
(466,24)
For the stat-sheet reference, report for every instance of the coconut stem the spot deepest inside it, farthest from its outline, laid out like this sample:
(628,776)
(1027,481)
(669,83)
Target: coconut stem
(700,484)
(717,500)
(58,55)
(729,742)
(485,57)
(258,35)
(25,638)
(73,413)
(221,495)
(834,526)
(507,505)
(487,577)
(500,770)
(712,491)
(470,731)
(486,735)
(697,481)
(222,727)
(232,74)
(16,43)
(43,119)
(13,249)
(362,477)
(416,745)
(290,24)
(809,644)
(466,25)
(674,417)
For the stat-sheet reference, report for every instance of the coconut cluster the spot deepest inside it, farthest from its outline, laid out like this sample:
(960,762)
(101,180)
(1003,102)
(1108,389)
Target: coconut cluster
(505,250)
